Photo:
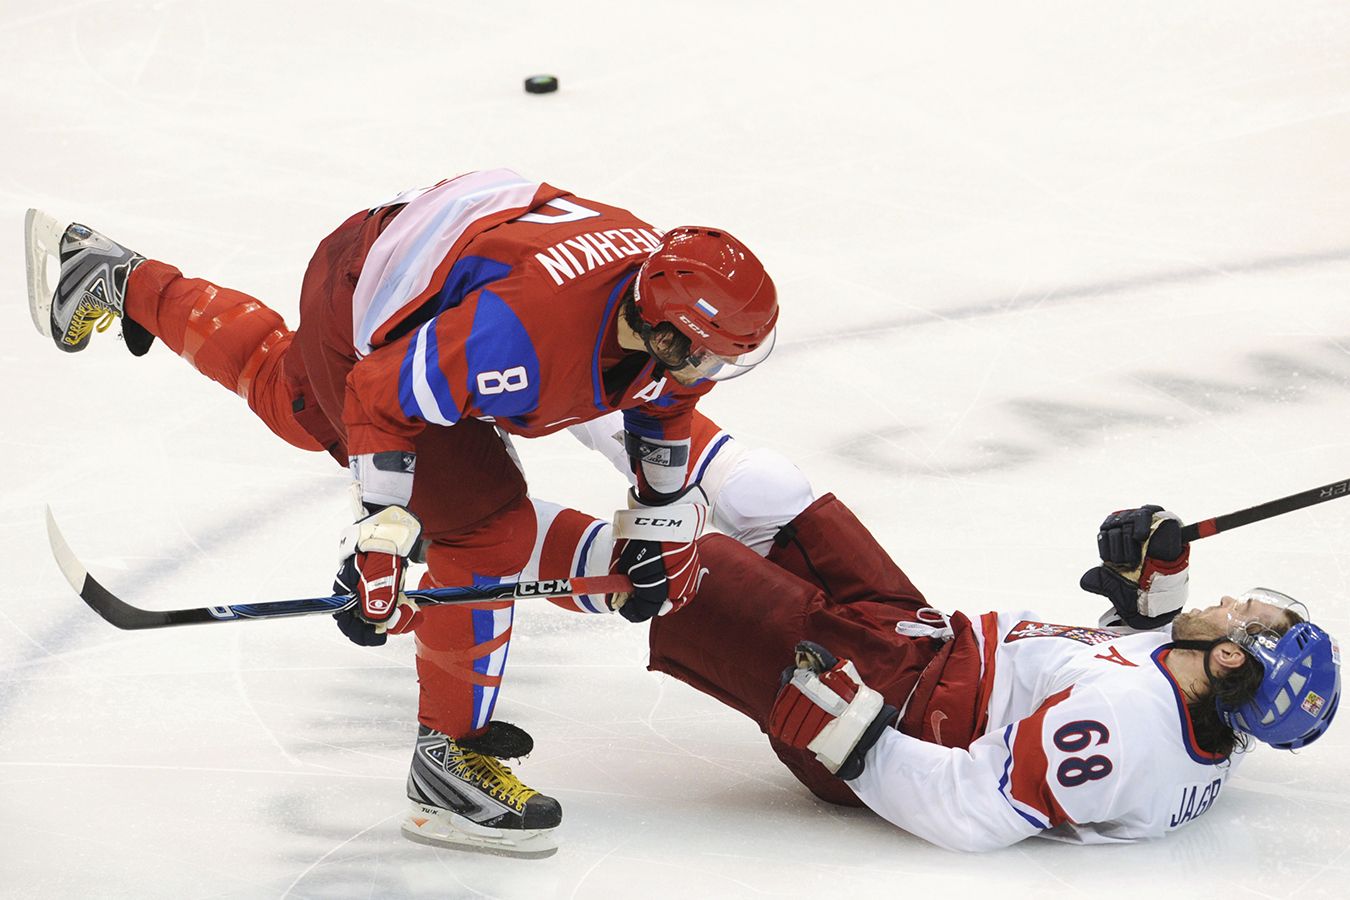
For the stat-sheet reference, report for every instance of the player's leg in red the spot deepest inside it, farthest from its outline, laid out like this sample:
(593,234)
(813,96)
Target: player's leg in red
(230,337)
(481,529)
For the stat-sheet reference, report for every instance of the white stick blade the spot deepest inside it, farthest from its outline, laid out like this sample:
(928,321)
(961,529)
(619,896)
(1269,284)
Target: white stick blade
(70,566)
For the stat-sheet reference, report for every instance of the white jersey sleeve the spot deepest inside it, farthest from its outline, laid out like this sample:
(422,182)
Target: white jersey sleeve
(1063,764)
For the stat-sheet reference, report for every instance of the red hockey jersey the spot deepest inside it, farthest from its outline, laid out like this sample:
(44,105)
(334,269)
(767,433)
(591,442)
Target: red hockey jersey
(496,298)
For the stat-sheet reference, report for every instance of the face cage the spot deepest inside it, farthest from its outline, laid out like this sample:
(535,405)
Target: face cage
(712,367)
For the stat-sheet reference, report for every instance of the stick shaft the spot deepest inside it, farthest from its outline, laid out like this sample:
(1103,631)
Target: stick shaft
(118,612)
(1208,527)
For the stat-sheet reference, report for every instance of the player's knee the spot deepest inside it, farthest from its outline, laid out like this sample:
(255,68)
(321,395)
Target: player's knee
(762,492)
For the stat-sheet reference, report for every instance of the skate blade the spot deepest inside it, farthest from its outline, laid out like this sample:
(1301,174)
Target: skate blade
(42,242)
(442,828)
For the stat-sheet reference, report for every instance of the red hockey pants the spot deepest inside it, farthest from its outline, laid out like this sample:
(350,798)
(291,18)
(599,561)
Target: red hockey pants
(826,580)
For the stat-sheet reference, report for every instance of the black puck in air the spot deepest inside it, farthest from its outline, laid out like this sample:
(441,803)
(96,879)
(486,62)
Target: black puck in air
(541,84)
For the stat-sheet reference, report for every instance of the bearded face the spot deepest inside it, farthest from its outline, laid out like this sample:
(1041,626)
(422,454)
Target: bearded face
(1233,617)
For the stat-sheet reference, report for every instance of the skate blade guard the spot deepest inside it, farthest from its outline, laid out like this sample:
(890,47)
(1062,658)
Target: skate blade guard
(42,243)
(438,827)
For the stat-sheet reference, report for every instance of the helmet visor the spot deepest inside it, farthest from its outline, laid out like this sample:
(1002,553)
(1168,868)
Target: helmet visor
(712,367)
(1249,623)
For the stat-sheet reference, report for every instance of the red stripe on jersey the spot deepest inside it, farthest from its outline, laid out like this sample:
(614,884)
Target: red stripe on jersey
(989,631)
(1029,784)
(564,537)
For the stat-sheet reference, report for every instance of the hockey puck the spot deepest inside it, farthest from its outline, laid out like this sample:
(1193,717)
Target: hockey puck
(541,84)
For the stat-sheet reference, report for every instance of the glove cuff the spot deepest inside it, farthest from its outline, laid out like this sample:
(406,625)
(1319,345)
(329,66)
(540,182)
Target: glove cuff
(681,522)
(857,760)
(837,741)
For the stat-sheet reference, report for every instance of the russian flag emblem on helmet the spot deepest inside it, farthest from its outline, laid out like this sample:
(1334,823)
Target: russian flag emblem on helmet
(716,292)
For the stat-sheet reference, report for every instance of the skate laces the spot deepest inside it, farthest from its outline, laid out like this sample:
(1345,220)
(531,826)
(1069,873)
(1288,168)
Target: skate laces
(87,318)
(494,777)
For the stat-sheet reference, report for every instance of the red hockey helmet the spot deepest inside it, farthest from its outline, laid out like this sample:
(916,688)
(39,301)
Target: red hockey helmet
(714,291)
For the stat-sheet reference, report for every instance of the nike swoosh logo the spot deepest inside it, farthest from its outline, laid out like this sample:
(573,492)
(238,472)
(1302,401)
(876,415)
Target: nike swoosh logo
(936,720)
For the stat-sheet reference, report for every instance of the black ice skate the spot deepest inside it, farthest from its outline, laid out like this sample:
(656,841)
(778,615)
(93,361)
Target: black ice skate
(463,796)
(90,287)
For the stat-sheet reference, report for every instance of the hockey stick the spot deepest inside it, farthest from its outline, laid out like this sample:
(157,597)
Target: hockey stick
(1208,527)
(122,614)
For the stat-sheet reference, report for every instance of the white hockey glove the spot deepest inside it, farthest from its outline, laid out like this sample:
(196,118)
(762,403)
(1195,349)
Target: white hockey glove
(823,706)
(374,555)
(374,552)
(658,550)
(1144,562)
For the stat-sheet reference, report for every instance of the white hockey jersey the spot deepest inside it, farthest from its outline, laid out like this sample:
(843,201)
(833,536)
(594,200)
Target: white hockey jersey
(1088,740)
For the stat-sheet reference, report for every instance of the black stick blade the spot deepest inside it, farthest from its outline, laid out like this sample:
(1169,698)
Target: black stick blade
(100,600)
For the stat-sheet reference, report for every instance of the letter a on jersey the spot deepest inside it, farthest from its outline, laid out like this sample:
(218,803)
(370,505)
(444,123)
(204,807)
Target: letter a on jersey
(651,391)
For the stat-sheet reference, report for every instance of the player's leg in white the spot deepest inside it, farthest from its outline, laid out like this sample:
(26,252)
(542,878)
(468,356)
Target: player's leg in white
(463,796)
(752,491)
(89,292)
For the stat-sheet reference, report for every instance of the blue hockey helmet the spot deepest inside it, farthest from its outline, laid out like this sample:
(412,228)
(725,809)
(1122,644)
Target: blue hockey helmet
(1301,683)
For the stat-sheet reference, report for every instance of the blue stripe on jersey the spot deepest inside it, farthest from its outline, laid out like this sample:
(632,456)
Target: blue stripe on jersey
(709,458)
(1187,727)
(423,391)
(436,380)
(665,400)
(467,275)
(503,375)
(1003,784)
(581,566)
(641,424)
(407,400)
(597,379)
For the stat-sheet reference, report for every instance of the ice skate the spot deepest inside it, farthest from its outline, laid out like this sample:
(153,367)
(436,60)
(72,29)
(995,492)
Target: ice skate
(464,797)
(91,285)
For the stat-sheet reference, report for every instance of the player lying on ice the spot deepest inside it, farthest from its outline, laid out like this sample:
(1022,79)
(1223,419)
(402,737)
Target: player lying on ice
(431,328)
(977,734)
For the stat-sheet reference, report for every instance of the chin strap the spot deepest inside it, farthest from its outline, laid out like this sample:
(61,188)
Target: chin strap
(1204,647)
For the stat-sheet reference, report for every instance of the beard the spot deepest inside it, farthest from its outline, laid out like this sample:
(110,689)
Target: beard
(1189,626)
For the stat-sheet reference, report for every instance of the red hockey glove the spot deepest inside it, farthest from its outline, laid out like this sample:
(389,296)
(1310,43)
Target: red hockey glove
(658,550)
(375,553)
(1144,566)
(824,707)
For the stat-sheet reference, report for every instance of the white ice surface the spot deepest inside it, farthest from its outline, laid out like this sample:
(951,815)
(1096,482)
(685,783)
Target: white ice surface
(1037,262)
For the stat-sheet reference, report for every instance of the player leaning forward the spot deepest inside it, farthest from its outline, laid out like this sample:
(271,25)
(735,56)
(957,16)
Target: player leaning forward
(431,327)
(977,734)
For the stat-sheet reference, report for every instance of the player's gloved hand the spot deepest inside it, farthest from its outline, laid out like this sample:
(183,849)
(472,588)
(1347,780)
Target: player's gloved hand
(374,554)
(1143,571)
(657,548)
(823,706)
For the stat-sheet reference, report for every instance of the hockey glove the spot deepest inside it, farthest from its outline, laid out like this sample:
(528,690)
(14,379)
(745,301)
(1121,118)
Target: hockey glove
(658,550)
(823,706)
(375,553)
(1144,566)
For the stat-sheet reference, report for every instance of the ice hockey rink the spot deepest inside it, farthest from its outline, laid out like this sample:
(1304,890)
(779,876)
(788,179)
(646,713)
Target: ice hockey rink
(1037,261)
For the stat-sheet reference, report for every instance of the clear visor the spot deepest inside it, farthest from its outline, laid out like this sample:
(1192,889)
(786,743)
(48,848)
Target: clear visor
(712,367)
(1249,624)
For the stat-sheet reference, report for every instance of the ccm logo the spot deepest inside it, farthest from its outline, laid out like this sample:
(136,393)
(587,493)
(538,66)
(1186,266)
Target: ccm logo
(659,523)
(559,586)
(698,331)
